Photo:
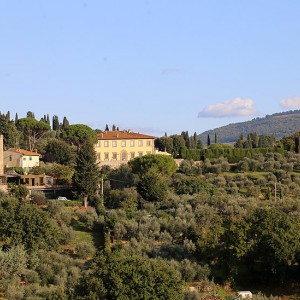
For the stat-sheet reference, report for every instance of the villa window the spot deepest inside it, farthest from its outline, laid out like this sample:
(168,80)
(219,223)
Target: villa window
(114,143)
(99,144)
(140,154)
(124,156)
(140,143)
(30,157)
(123,143)
(114,156)
(98,156)
(148,143)
(132,143)
(106,143)
(106,156)
(132,155)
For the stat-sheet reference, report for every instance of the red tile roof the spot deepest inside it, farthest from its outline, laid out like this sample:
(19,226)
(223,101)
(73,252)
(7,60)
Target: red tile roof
(23,152)
(122,135)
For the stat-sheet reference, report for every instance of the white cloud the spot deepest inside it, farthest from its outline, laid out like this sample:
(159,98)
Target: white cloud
(292,103)
(231,108)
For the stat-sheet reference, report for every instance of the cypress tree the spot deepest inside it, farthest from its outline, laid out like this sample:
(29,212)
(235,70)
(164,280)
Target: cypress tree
(216,138)
(8,116)
(55,123)
(86,175)
(208,140)
(16,118)
(114,127)
(65,123)
(106,128)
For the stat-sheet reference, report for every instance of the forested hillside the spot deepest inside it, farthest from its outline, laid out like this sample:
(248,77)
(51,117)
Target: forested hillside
(279,124)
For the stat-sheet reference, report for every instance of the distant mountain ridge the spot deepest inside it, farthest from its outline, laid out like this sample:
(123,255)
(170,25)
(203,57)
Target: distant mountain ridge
(278,124)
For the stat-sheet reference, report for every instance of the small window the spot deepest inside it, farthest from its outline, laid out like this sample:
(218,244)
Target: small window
(140,154)
(140,143)
(124,156)
(123,143)
(30,157)
(132,154)
(10,158)
(106,156)
(148,143)
(114,156)
(24,158)
(114,143)
(98,156)
(132,143)
(99,144)
(106,144)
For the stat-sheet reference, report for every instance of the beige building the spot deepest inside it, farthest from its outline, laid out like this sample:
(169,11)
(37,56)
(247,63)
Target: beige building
(14,157)
(121,146)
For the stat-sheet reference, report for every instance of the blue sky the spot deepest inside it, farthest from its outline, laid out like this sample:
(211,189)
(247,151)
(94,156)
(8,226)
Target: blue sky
(151,66)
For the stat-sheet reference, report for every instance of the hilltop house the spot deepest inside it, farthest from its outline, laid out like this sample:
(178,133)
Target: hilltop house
(121,146)
(14,157)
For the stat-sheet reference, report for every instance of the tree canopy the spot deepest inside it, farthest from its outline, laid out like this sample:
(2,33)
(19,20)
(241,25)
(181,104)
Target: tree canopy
(78,134)
(115,276)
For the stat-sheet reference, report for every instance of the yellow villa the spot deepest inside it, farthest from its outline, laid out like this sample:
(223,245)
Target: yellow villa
(121,146)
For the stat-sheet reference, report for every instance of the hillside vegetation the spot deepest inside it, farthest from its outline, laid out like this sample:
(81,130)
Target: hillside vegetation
(279,124)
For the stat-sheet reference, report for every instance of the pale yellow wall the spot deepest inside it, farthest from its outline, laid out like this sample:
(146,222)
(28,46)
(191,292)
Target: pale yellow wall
(14,159)
(102,148)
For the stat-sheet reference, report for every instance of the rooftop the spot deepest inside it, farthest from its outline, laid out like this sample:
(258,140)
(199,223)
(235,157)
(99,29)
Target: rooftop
(23,152)
(122,135)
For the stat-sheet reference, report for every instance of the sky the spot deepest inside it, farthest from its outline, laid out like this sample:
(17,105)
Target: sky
(155,66)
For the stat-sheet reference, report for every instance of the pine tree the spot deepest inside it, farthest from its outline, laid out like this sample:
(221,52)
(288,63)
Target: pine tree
(86,175)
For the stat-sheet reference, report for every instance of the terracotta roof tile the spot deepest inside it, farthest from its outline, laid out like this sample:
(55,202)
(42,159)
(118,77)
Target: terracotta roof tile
(122,135)
(24,152)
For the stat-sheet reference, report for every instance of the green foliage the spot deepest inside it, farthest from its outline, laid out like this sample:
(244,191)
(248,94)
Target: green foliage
(79,134)
(19,191)
(24,223)
(38,197)
(9,132)
(122,177)
(164,143)
(280,124)
(58,151)
(86,175)
(189,185)
(164,164)
(32,130)
(62,174)
(116,276)
(152,185)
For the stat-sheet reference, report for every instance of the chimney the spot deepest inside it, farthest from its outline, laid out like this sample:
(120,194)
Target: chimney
(1,155)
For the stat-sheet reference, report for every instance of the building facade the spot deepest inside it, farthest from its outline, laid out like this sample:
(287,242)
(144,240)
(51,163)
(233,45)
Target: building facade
(122,146)
(14,157)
